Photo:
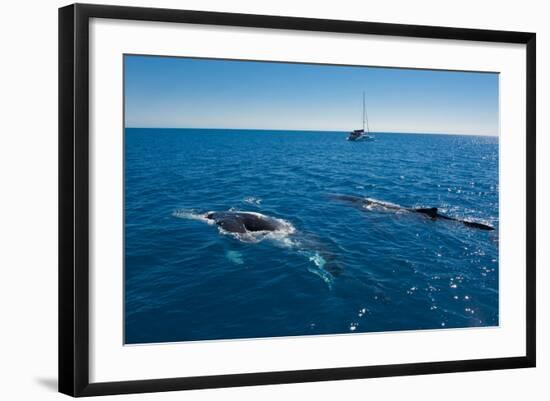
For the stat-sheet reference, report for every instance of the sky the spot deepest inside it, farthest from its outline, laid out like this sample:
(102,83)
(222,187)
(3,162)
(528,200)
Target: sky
(174,92)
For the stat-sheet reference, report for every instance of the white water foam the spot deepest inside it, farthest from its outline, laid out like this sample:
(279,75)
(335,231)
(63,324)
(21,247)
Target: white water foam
(192,215)
(251,200)
(319,270)
(381,205)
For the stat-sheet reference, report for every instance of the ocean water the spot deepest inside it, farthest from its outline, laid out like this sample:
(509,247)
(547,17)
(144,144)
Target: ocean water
(335,267)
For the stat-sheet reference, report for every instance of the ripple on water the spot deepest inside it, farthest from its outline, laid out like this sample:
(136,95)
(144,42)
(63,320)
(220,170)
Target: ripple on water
(187,280)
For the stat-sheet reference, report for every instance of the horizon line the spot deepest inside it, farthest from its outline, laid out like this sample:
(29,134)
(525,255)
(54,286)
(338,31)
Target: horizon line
(314,130)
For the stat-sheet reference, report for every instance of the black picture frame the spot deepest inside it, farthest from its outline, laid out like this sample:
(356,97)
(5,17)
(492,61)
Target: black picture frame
(74,198)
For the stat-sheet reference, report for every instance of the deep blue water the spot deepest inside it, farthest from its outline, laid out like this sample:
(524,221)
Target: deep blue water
(343,269)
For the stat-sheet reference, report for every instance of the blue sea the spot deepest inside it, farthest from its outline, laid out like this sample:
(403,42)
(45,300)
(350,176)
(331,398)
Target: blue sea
(335,267)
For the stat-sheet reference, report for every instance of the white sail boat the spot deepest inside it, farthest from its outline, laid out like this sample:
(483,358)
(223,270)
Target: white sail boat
(362,134)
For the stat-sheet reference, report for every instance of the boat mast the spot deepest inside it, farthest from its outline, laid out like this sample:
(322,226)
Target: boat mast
(365,115)
(363,111)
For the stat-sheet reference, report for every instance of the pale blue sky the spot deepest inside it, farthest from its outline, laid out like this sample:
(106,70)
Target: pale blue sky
(203,93)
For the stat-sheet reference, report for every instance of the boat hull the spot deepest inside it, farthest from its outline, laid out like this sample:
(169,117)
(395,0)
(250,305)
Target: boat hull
(360,138)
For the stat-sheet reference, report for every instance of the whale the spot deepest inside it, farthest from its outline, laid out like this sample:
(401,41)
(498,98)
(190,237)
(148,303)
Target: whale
(253,227)
(430,212)
(243,222)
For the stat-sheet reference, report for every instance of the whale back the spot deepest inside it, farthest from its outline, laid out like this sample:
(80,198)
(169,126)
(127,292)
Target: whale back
(241,222)
(475,224)
(253,222)
(429,211)
(347,198)
(232,225)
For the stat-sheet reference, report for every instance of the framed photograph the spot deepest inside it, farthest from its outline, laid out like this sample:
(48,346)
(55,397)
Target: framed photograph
(250,199)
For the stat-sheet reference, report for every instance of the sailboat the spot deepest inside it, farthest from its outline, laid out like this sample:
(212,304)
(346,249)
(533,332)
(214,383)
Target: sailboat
(361,134)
